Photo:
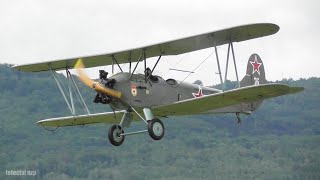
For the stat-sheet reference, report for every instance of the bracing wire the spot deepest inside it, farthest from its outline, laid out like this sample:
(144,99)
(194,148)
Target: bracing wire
(73,90)
(62,84)
(175,64)
(197,66)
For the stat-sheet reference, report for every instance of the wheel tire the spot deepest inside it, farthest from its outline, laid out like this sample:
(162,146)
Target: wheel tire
(156,129)
(114,135)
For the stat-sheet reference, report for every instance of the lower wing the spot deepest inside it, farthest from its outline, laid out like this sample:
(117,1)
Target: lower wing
(187,107)
(225,99)
(108,117)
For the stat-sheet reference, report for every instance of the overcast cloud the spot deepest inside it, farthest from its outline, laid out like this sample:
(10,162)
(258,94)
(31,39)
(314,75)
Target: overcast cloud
(38,30)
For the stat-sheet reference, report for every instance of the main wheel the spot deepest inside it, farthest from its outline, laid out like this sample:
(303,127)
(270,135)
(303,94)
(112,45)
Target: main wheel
(114,135)
(156,129)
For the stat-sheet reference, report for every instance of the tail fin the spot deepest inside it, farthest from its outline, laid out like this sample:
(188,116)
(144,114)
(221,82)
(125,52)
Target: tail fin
(255,74)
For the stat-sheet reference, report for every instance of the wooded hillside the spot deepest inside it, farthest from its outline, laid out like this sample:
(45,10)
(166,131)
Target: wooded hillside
(280,141)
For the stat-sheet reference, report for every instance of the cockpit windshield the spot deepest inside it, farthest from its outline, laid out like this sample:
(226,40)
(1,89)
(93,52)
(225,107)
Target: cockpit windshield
(172,82)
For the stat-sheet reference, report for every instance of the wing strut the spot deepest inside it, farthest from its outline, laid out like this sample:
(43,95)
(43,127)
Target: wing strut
(137,64)
(218,62)
(156,63)
(230,46)
(72,86)
(145,65)
(144,57)
(130,62)
(235,64)
(78,94)
(115,60)
(62,92)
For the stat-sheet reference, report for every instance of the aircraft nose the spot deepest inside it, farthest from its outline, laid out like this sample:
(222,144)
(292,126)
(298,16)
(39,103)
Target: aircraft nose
(93,84)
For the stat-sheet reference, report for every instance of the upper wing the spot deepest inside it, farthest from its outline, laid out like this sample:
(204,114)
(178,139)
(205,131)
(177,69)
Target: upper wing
(108,117)
(175,47)
(224,99)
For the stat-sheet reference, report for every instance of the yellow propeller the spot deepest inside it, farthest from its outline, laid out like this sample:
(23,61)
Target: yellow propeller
(93,84)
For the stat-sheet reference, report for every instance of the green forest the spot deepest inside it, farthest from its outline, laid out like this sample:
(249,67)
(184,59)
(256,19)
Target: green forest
(279,141)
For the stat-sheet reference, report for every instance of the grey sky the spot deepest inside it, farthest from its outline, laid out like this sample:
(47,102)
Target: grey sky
(37,30)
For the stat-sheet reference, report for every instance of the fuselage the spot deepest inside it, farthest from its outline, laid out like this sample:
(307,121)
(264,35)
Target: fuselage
(138,91)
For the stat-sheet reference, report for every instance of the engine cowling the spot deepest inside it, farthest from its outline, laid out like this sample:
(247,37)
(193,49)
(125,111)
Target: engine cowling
(105,82)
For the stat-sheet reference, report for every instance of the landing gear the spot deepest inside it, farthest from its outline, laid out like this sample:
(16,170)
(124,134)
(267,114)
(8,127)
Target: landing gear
(156,129)
(114,135)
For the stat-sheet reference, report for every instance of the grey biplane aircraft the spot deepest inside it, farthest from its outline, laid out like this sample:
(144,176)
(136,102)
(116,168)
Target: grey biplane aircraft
(148,97)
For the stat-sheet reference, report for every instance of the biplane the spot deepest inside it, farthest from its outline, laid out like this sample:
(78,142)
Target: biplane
(148,97)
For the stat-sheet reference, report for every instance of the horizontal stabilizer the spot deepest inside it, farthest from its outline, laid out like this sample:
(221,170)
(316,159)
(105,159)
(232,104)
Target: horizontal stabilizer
(295,90)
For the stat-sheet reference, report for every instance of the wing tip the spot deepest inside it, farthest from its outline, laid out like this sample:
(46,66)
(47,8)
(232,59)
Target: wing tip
(294,90)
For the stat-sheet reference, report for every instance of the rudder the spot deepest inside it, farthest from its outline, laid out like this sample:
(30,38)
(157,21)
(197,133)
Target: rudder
(255,73)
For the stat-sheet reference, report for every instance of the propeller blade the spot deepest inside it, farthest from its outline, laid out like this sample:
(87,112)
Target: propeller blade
(93,84)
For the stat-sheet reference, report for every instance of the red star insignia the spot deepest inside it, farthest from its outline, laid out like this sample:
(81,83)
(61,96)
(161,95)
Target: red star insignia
(256,65)
(199,94)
